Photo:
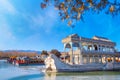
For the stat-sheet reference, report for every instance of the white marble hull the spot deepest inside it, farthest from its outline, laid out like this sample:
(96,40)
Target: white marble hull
(53,64)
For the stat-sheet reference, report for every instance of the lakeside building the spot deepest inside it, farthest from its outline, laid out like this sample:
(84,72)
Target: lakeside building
(85,50)
(85,54)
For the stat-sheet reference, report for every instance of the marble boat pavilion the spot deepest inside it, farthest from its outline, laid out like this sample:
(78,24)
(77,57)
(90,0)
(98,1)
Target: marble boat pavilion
(85,50)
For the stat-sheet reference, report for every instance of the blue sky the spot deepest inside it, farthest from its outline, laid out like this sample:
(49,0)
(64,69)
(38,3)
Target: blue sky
(24,25)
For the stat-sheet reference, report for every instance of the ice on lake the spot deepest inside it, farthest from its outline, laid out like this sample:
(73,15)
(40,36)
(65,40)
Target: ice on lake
(11,72)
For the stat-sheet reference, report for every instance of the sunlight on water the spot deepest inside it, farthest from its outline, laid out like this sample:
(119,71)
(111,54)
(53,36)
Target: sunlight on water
(11,72)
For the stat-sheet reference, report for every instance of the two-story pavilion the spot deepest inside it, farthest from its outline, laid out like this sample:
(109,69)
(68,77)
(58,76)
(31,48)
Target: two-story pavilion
(85,50)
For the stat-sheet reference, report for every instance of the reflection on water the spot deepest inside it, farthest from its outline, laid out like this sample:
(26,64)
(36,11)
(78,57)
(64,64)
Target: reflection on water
(10,72)
(28,77)
(55,76)
(101,75)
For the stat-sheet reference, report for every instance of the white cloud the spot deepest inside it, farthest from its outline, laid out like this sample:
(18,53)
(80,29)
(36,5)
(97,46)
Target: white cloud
(7,7)
(6,35)
(5,32)
(46,21)
(7,38)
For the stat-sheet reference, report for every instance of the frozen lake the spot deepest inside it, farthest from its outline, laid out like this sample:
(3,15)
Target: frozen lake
(11,72)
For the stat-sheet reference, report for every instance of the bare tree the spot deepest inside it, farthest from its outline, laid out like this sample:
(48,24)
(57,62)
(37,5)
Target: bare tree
(44,52)
(1,54)
(17,53)
(71,10)
(55,52)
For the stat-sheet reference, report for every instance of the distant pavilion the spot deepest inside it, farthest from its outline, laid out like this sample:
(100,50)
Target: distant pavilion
(85,50)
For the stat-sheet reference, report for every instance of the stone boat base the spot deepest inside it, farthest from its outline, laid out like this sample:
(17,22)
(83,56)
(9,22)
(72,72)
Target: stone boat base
(53,64)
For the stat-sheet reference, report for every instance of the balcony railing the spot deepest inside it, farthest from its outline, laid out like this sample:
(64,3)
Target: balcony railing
(93,51)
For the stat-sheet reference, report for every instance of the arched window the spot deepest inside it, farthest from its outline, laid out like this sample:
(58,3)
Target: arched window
(67,45)
(75,45)
(95,47)
(85,47)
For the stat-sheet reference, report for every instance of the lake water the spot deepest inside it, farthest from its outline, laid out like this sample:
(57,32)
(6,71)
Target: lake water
(11,72)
